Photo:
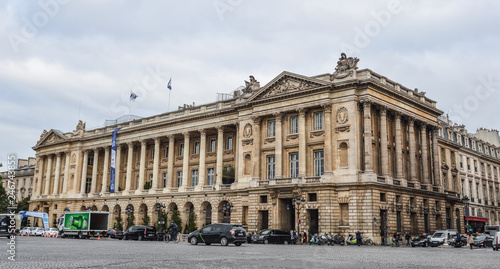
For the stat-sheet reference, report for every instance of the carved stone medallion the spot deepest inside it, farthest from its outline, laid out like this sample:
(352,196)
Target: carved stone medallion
(247,130)
(342,116)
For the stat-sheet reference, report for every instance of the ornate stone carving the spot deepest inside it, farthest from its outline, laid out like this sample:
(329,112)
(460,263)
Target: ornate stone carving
(251,85)
(317,133)
(327,107)
(246,142)
(53,138)
(73,158)
(247,130)
(342,115)
(256,119)
(285,86)
(44,133)
(345,67)
(292,137)
(342,128)
(80,128)
(302,111)
(202,131)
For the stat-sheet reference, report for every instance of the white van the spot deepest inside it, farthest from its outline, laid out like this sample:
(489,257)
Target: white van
(496,241)
(440,236)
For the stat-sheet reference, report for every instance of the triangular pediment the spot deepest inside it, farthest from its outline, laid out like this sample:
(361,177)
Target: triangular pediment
(51,137)
(287,83)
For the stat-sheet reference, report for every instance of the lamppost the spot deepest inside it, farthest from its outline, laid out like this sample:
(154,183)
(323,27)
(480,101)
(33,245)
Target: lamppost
(159,209)
(298,202)
(66,209)
(129,210)
(465,201)
(227,208)
(89,208)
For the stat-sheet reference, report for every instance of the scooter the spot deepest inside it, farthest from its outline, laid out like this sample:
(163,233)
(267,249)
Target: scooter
(323,239)
(337,240)
(351,240)
(314,240)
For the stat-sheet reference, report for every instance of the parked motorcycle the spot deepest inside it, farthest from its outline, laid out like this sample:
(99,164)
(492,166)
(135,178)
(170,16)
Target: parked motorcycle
(339,240)
(351,240)
(314,240)
(323,239)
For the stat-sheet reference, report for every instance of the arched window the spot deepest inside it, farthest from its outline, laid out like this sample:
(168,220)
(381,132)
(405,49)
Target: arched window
(343,154)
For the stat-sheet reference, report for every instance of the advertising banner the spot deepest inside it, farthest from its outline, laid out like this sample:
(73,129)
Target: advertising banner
(113,161)
(77,221)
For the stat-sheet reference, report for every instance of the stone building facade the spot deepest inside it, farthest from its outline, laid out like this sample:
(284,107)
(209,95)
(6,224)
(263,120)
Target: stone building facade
(361,150)
(23,178)
(470,166)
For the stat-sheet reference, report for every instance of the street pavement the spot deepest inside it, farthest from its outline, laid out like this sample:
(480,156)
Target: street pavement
(37,252)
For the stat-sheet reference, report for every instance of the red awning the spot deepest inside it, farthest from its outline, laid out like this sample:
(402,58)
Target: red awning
(477,219)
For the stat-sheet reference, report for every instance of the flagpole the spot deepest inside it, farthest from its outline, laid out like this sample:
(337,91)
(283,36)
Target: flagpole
(129,106)
(168,110)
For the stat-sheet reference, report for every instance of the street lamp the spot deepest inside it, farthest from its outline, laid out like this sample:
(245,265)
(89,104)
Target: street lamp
(465,201)
(159,209)
(89,208)
(129,210)
(66,209)
(227,208)
(298,202)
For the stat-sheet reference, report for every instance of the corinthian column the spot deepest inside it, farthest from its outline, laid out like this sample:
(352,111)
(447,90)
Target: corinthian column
(94,171)
(368,136)
(185,160)
(220,154)
(302,142)
(413,161)
(170,164)
(118,167)
(49,175)
(67,155)
(425,157)
(142,167)
(435,157)
(85,163)
(203,152)
(328,138)
(40,176)
(383,142)
(156,162)
(256,147)
(55,190)
(399,147)
(105,170)
(130,155)
(278,149)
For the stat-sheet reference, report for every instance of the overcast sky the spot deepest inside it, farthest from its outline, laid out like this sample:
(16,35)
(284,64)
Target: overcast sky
(61,61)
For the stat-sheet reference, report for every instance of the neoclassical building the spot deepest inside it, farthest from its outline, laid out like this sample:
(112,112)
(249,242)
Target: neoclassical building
(359,150)
(23,177)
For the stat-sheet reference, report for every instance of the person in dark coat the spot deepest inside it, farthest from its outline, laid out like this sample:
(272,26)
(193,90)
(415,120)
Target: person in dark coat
(408,238)
(358,238)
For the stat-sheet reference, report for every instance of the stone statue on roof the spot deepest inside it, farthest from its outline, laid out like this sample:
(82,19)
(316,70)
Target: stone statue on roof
(80,128)
(345,66)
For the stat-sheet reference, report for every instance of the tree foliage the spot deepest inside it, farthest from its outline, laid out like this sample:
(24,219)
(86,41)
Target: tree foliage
(191,226)
(146,219)
(176,218)
(130,220)
(119,223)
(4,199)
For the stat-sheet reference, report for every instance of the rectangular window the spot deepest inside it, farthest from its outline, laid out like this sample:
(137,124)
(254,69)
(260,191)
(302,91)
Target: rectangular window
(398,221)
(164,179)
(294,124)
(210,173)
(263,199)
(88,184)
(151,179)
(212,145)
(475,166)
(294,164)
(461,162)
(166,152)
(229,143)
(312,197)
(181,149)
(270,167)
(319,163)
(344,214)
(468,164)
(196,149)
(318,120)
(477,191)
(271,128)
(152,153)
(91,160)
(443,155)
(194,177)
(383,197)
(179,178)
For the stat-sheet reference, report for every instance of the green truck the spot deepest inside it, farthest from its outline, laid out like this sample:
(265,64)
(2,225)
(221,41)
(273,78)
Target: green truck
(83,224)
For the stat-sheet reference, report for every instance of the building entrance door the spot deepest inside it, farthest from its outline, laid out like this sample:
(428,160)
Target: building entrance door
(286,214)
(313,221)
(263,220)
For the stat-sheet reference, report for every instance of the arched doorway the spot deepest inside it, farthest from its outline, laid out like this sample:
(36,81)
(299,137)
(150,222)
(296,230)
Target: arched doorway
(144,218)
(130,220)
(83,208)
(207,213)
(117,218)
(224,210)
(105,208)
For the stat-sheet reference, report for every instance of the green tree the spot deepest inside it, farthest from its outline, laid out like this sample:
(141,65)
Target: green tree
(176,218)
(4,199)
(130,220)
(192,223)
(146,219)
(119,223)
(24,204)
(163,217)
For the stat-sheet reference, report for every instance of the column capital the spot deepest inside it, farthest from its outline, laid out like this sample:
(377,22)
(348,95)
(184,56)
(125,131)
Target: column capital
(383,110)
(171,137)
(256,119)
(365,102)
(156,139)
(185,134)
(278,115)
(411,121)
(327,106)
(302,111)
(202,131)
(130,144)
(58,154)
(219,128)
(118,146)
(143,142)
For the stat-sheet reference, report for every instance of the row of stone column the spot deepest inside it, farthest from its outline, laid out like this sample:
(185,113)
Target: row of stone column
(368,149)
(48,174)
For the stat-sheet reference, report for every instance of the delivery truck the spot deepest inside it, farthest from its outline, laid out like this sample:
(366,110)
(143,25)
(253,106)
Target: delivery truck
(84,224)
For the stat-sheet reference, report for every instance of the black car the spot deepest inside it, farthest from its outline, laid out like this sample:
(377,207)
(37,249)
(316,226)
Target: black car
(140,233)
(452,240)
(420,241)
(483,241)
(219,233)
(272,237)
(114,233)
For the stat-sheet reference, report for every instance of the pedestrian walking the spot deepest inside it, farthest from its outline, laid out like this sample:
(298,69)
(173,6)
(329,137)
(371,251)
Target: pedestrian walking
(358,238)
(470,240)
(407,237)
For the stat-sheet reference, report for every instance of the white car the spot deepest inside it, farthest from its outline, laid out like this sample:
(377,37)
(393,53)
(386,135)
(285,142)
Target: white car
(51,232)
(24,231)
(39,231)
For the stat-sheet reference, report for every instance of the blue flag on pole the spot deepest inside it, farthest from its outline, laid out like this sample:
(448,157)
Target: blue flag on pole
(113,161)
(133,96)
(169,85)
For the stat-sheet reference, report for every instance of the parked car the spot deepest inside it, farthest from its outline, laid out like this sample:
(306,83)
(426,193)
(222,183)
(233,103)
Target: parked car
(420,241)
(114,233)
(496,241)
(440,236)
(51,232)
(39,231)
(482,241)
(140,232)
(25,231)
(272,237)
(219,233)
